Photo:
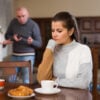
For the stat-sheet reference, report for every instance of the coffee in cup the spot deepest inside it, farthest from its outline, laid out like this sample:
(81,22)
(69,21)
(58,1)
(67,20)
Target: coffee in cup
(48,85)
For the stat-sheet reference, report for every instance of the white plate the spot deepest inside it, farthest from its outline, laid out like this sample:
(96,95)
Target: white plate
(21,97)
(41,91)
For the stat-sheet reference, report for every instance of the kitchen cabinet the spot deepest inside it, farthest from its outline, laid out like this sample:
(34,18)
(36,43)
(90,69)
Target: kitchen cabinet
(45,29)
(89,24)
(86,25)
(97,25)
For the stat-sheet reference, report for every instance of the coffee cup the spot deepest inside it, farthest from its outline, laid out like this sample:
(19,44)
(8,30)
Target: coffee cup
(48,85)
(2,83)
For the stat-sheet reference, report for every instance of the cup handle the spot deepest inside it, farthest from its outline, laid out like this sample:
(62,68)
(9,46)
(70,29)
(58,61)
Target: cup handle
(55,85)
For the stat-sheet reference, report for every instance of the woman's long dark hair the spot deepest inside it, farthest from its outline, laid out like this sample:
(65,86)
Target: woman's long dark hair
(69,23)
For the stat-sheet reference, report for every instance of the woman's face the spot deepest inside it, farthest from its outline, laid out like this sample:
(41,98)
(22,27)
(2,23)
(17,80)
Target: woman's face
(61,34)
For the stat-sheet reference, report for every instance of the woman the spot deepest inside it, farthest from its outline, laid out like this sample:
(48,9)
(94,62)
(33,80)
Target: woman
(65,59)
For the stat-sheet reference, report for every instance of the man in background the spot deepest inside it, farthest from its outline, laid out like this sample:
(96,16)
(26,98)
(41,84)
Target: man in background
(25,36)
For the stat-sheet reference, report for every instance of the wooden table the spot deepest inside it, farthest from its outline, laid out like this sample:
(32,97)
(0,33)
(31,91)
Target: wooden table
(65,94)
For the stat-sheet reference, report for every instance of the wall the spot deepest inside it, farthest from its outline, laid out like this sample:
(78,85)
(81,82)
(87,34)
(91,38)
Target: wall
(6,14)
(47,8)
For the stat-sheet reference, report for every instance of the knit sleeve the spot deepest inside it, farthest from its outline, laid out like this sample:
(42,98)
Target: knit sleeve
(45,68)
(37,40)
(82,81)
(9,32)
(51,44)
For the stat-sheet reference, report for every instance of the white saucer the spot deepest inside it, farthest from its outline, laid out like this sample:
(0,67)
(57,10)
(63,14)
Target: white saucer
(41,91)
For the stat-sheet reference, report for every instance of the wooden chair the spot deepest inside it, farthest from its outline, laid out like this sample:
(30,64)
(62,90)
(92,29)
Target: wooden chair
(95,71)
(11,65)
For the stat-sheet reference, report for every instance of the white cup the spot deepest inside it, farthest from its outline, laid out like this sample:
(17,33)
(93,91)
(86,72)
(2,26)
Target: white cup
(2,83)
(48,85)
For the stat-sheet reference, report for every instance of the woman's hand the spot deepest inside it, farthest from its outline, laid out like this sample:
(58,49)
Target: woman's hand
(51,44)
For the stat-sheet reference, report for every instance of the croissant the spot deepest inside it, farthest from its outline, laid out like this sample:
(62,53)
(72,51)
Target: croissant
(21,91)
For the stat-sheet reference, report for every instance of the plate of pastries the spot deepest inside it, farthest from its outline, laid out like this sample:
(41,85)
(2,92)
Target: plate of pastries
(21,92)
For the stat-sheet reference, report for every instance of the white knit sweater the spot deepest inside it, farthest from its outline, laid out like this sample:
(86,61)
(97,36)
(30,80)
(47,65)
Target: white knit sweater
(72,64)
